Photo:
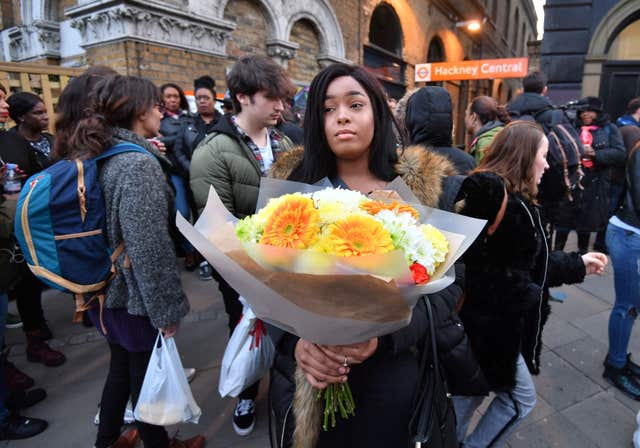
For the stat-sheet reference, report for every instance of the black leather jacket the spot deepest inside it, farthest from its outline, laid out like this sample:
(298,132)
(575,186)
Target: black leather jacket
(630,212)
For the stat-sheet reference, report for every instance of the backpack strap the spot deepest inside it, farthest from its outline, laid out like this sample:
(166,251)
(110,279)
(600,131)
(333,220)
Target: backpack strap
(576,149)
(120,148)
(83,305)
(565,164)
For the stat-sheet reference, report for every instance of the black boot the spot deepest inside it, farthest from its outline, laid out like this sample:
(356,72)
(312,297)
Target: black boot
(17,427)
(632,367)
(622,379)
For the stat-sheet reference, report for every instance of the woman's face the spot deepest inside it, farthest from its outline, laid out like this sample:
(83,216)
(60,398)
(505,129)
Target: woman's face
(36,119)
(4,107)
(470,119)
(348,119)
(171,99)
(150,122)
(588,117)
(205,101)
(540,164)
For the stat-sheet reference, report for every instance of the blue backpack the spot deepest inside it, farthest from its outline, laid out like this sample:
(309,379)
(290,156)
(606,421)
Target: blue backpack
(60,226)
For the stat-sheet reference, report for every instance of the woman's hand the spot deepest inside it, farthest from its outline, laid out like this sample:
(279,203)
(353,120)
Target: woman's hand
(594,262)
(589,151)
(353,353)
(170,331)
(319,369)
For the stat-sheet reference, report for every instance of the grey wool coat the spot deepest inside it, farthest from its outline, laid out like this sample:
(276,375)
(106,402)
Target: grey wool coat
(138,208)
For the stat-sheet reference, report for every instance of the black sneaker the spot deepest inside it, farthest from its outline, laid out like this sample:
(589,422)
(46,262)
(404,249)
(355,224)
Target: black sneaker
(13,321)
(244,417)
(623,380)
(205,272)
(25,399)
(17,427)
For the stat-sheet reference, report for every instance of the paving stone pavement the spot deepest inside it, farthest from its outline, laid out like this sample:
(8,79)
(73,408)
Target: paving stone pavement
(575,408)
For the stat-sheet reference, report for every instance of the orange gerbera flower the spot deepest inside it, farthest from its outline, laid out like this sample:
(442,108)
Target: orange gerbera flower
(358,235)
(375,207)
(293,224)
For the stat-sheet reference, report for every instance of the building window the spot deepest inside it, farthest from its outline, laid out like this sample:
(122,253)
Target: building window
(385,30)
(436,51)
(625,45)
(383,54)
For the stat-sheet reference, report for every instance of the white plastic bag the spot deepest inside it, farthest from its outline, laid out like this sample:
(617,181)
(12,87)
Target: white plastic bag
(248,356)
(165,397)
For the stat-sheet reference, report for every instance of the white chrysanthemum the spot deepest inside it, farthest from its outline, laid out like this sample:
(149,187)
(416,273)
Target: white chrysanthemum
(409,237)
(334,204)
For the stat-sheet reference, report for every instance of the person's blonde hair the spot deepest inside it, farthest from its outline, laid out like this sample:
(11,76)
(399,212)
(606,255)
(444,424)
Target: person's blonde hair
(512,154)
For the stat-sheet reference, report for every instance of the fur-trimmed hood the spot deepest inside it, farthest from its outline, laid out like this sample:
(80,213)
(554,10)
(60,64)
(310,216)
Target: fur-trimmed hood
(422,170)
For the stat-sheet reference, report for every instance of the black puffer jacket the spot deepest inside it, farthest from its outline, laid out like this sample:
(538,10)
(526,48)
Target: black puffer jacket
(429,122)
(14,148)
(507,279)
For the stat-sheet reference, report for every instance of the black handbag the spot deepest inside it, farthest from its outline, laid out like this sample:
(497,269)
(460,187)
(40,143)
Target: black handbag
(433,423)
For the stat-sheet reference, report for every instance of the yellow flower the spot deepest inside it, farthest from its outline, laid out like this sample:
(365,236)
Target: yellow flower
(375,207)
(356,235)
(438,240)
(294,223)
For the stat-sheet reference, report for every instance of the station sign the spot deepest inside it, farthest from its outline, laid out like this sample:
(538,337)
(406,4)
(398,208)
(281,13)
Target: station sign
(468,70)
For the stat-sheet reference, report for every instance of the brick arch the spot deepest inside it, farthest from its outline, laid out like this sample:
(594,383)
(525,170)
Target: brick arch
(271,15)
(324,19)
(611,24)
(305,65)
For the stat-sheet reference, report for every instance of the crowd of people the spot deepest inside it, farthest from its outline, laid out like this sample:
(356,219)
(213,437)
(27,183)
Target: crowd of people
(359,139)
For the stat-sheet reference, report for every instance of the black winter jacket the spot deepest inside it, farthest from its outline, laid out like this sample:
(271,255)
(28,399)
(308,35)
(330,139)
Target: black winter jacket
(171,129)
(630,212)
(592,212)
(190,136)
(531,104)
(429,122)
(507,301)
(14,148)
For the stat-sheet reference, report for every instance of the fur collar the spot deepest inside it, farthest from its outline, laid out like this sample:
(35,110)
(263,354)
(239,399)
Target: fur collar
(422,170)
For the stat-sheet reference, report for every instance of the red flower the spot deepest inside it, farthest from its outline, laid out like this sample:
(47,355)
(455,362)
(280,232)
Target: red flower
(419,274)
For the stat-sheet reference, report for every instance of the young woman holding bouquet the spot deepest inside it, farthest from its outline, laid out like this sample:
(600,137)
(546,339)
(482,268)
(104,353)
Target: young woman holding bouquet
(509,269)
(349,139)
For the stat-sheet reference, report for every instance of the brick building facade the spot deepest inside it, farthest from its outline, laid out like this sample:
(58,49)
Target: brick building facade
(179,40)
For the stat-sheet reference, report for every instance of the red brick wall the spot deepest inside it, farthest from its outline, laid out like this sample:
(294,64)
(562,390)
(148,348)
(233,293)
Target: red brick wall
(250,35)
(304,67)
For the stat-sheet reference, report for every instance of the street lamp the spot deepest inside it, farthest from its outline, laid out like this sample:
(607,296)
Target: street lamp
(472,25)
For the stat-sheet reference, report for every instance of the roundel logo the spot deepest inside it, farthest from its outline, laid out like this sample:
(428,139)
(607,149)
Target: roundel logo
(423,72)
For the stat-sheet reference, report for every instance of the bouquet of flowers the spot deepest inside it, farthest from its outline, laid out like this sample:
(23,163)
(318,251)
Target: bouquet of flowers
(333,266)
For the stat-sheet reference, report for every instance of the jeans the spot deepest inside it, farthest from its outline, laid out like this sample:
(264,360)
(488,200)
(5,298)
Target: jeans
(126,374)
(506,411)
(4,412)
(233,307)
(624,249)
(562,233)
(182,206)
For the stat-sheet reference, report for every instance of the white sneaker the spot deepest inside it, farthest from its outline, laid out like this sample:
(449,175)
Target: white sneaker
(244,417)
(190,373)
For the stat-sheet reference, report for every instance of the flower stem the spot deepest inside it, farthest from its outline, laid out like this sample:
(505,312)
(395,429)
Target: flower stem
(337,398)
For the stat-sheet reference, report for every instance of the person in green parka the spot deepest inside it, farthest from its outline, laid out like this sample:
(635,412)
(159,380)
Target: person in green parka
(483,120)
